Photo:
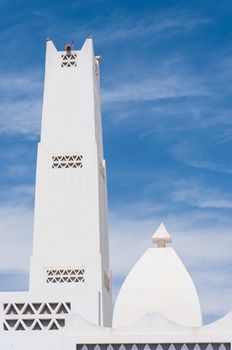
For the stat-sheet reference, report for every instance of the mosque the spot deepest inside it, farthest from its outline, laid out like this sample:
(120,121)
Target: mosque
(68,305)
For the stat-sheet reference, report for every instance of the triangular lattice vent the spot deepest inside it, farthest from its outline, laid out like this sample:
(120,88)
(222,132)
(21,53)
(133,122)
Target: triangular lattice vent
(65,275)
(69,60)
(67,161)
(43,315)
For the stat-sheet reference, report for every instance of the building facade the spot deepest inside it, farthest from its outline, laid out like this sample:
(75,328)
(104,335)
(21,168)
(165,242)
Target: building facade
(69,304)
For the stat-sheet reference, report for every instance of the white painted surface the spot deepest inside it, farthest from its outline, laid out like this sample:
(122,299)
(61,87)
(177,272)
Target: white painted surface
(151,328)
(71,224)
(159,283)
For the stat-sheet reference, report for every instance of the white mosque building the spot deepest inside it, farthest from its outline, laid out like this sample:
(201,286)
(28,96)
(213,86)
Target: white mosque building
(68,305)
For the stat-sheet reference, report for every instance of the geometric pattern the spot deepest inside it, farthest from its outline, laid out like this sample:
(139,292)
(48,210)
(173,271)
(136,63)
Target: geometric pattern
(96,71)
(161,346)
(102,171)
(65,275)
(35,316)
(107,279)
(67,161)
(69,60)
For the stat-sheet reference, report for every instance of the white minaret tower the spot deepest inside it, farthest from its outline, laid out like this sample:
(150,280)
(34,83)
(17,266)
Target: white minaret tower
(70,248)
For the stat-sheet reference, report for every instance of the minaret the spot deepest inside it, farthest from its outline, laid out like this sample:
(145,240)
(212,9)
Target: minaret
(70,248)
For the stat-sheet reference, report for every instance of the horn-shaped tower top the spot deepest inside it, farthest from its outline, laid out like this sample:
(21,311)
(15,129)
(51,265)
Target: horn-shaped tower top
(71,103)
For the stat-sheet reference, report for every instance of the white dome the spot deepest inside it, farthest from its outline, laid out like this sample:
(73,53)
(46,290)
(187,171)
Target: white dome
(159,283)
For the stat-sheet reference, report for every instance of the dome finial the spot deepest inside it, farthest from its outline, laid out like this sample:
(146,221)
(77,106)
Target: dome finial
(161,237)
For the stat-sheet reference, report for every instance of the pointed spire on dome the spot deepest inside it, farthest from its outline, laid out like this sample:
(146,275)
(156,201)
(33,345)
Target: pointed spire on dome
(161,237)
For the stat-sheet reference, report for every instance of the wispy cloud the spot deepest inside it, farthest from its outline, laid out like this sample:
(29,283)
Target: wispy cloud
(18,195)
(162,23)
(158,87)
(209,164)
(20,117)
(201,154)
(14,280)
(21,104)
(16,224)
(199,195)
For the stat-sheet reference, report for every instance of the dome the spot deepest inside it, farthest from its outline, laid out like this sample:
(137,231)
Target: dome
(158,283)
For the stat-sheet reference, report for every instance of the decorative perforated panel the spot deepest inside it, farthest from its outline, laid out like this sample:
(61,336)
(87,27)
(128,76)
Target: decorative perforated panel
(102,171)
(96,69)
(166,346)
(35,316)
(67,161)
(107,279)
(69,60)
(65,275)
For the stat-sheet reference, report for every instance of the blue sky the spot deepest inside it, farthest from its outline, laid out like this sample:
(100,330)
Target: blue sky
(166,102)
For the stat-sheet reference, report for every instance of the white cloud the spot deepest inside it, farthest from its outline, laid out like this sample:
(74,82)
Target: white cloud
(206,164)
(16,225)
(17,84)
(162,23)
(159,87)
(215,290)
(201,154)
(17,195)
(21,105)
(20,117)
(199,195)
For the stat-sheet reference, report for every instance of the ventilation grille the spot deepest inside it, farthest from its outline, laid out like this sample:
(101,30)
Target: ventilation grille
(69,60)
(96,70)
(35,316)
(65,276)
(107,279)
(167,346)
(67,161)
(102,171)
